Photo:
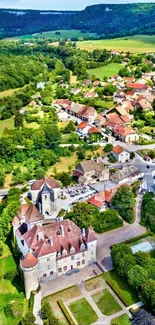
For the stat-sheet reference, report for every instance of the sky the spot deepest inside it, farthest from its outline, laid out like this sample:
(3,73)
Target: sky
(59,4)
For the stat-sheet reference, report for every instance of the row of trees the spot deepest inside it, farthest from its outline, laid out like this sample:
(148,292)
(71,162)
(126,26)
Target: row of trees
(138,270)
(148,211)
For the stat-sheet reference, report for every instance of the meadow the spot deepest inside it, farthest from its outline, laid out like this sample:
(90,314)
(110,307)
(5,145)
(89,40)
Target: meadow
(59,34)
(106,71)
(134,44)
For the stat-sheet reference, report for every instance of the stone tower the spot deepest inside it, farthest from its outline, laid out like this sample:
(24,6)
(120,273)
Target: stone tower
(29,266)
(47,201)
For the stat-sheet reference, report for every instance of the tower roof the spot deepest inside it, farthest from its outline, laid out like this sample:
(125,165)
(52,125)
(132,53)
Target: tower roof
(29,261)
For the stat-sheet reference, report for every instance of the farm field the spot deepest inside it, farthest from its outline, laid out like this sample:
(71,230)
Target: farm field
(106,71)
(64,34)
(134,44)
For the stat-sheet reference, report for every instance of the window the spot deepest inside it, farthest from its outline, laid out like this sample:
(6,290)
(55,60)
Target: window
(51,273)
(48,259)
(22,241)
(60,270)
(72,257)
(64,253)
(48,266)
(44,275)
(78,263)
(65,268)
(83,254)
(92,253)
(83,262)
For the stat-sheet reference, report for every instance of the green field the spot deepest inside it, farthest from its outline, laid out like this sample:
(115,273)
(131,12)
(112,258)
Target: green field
(64,34)
(106,71)
(121,288)
(134,44)
(9,124)
(106,302)
(83,312)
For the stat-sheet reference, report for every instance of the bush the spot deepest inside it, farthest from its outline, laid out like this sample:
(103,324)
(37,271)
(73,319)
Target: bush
(65,312)
(108,147)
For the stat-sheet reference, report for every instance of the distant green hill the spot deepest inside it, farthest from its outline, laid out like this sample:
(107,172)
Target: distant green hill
(108,21)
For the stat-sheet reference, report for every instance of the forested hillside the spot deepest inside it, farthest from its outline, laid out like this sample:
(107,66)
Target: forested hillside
(107,20)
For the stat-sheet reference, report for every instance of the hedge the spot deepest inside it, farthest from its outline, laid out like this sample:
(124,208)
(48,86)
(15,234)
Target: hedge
(31,301)
(65,312)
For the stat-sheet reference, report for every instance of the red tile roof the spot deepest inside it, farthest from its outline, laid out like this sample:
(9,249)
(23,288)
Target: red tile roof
(114,118)
(29,212)
(82,125)
(51,182)
(118,149)
(93,129)
(39,238)
(123,130)
(29,261)
(136,86)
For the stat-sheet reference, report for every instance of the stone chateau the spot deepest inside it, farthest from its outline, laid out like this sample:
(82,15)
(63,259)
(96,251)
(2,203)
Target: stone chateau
(49,248)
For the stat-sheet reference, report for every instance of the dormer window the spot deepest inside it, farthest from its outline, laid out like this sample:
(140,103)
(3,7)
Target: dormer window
(64,252)
(59,255)
(82,247)
(72,250)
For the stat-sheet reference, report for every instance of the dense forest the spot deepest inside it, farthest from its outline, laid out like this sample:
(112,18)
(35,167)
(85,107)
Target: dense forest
(107,20)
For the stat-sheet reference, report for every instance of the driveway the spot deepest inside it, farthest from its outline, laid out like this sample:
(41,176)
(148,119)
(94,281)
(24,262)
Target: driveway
(106,240)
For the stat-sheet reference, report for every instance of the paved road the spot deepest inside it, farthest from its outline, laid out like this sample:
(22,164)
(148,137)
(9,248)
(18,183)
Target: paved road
(117,236)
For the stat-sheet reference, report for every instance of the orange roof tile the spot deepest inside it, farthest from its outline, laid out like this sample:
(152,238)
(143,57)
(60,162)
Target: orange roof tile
(29,261)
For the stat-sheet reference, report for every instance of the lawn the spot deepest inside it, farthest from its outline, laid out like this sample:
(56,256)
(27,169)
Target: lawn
(121,320)
(63,164)
(64,34)
(7,264)
(9,123)
(104,104)
(106,71)
(106,302)
(64,295)
(83,312)
(121,288)
(134,44)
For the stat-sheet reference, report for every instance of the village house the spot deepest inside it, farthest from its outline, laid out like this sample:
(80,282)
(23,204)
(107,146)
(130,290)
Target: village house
(89,171)
(83,128)
(120,154)
(51,250)
(125,175)
(143,105)
(103,199)
(90,94)
(125,134)
(119,95)
(139,88)
(76,91)
(99,120)
(86,82)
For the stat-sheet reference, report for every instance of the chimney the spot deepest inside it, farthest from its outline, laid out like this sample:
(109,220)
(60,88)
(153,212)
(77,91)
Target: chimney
(51,240)
(62,230)
(83,232)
